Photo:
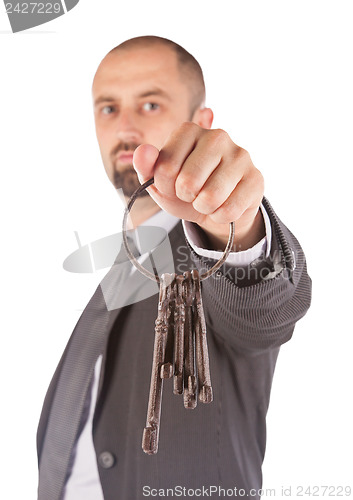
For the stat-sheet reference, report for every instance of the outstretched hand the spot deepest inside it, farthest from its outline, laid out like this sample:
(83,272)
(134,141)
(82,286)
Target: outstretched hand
(202,176)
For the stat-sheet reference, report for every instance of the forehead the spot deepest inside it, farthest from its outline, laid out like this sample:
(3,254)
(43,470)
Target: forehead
(134,69)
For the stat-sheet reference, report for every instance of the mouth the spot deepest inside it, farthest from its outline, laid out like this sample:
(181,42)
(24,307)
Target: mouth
(125,157)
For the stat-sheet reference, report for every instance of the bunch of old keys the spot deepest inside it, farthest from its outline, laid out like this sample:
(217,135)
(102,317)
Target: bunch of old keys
(180,344)
(180,350)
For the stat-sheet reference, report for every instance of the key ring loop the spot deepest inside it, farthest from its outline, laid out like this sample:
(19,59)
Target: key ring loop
(153,276)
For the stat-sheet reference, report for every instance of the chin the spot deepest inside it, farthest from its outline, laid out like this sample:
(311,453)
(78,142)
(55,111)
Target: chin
(127,180)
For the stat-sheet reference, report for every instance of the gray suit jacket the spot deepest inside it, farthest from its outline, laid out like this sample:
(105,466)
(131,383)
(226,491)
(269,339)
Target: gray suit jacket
(222,444)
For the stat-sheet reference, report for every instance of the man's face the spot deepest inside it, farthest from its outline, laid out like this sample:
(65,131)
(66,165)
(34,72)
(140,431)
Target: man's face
(139,98)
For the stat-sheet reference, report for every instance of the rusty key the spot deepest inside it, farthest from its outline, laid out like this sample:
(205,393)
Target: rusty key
(151,431)
(167,366)
(202,360)
(190,381)
(179,319)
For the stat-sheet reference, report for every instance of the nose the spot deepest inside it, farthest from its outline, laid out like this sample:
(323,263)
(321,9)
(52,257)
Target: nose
(127,126)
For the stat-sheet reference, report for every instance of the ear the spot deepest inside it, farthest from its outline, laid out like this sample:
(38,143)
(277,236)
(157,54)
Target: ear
(203,117)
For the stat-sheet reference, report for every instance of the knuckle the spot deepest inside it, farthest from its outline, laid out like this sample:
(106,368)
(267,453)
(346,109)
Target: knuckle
(234,207)
(162,171)
(213,198)
(243,155)
(257,180)
(186,187)
(260,181)
(218,137)
(229,212)
(167,167)
(223,216)
(219,218)
(200,206)
(187,128)
(207,202)
(180,133)
(261,188)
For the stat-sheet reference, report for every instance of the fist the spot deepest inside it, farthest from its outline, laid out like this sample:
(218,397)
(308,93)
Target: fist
(202,176)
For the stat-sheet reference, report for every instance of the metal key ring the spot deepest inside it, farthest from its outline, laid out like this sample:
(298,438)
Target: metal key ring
(147,273)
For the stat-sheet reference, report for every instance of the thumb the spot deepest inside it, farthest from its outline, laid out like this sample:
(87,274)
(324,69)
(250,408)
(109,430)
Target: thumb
(144,160)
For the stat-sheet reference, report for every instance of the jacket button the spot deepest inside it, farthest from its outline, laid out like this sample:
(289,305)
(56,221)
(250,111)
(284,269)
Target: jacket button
(106,460)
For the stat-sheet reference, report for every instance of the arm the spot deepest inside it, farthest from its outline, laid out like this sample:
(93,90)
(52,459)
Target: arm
(262,315)
(201,176)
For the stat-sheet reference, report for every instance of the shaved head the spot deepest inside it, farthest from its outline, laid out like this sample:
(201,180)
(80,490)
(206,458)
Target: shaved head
(190,70)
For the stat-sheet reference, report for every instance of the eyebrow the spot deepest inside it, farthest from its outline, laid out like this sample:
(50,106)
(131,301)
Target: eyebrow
(156,91)
(152,92)
(103,98)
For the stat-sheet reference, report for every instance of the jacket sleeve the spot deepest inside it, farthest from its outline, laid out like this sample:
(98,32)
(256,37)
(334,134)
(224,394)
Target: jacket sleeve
(258,308)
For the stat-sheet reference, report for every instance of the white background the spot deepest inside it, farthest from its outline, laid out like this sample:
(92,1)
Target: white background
(279,79)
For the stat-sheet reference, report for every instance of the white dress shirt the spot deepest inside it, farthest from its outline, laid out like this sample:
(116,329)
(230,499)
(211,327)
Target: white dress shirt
(84,479)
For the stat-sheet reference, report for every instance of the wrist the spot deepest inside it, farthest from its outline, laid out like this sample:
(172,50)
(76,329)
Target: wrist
(247,233)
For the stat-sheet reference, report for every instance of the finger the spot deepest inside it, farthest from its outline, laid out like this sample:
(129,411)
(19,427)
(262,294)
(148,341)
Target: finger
(173,155)
(247,195)
(202,162)
(144,159)
(194,173)
(217,188)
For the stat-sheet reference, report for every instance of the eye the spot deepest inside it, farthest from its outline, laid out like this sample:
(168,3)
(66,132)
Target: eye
(150,106)
(107,110)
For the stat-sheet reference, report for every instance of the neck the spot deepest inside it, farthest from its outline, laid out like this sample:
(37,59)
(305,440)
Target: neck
(142,210)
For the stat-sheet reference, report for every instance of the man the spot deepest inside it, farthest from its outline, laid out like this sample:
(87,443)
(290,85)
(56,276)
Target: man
(151,121)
